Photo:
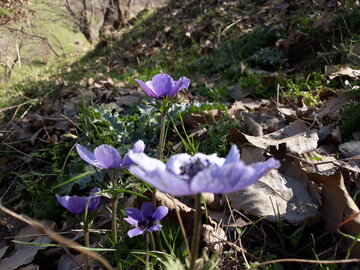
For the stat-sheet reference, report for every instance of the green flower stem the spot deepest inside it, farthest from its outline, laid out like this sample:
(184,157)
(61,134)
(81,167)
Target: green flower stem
(147,267)
(114,203)
(195,240)
(87,242)
(160,150)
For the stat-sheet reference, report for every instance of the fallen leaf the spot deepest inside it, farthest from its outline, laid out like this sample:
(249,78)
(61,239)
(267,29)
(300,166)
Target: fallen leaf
(297,140)
(213,237)
(350,149)
(24,254)
(275,195)
(333,72)
(338,206)
(71,261)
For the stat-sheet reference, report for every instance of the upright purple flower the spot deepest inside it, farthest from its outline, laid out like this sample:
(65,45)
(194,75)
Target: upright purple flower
(145,220)
(162,85)
(77,205)
(188,175)
(107,157)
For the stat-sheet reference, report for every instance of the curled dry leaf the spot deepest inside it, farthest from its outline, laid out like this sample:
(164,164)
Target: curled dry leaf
(295,136)
(286,195)
(24,254)
(214,238)
(339,209)
(276,195)
(344,71)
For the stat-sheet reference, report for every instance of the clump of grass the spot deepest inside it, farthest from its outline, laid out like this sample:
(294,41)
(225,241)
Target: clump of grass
(235,50)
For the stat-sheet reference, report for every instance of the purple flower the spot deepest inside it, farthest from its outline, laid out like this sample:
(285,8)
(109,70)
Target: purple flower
(187,175)
(107,157)
(77,205)
(162,85)
(145,220)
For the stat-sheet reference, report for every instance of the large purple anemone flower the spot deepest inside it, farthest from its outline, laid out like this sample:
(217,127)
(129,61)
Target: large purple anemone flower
(77,205)
(162,85)
(107,157)
(188,175)
(146,220)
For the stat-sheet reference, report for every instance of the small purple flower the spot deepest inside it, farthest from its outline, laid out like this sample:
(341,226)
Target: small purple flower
(188,175)
(107,157)
(162,85)
(145,220)
(77,205)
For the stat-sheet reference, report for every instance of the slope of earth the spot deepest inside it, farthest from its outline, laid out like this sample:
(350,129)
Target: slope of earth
(276,78)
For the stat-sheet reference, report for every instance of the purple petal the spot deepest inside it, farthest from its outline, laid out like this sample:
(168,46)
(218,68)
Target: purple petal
(155,227)
(233,155)
(175,162)
(132,221)
(76,205)
(213,159)
(148,90)
(62,200)
(145,162)
(134,213)
(163,181)
(221,180)
(160,213)
(260,169)
(162,85)
(108,157)
(182,83)
(94,199)
(147,209)
(87,156)
(134,232)
(139,147)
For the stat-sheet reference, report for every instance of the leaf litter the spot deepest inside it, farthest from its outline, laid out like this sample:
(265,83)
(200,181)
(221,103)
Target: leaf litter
(301,189)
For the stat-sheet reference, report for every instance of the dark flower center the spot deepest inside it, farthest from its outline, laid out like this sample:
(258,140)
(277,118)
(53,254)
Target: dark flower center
(146,222)
(192,168)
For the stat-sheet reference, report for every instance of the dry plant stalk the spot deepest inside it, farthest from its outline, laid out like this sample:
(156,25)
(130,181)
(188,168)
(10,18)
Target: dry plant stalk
(57,238)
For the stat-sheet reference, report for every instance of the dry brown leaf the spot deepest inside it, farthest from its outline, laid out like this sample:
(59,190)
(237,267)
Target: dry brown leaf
(276,194)
(253,127)
(350,149)
(70,262)
(332,106)
(338,206)
(294,136)
(334,72)
(24,254)
(29,267)
(167,200)
(213,237)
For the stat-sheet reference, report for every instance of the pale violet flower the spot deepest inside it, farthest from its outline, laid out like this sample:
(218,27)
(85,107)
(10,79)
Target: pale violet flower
(77,205)
(107,157)
(162,85)
(146,220)
(188,175)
